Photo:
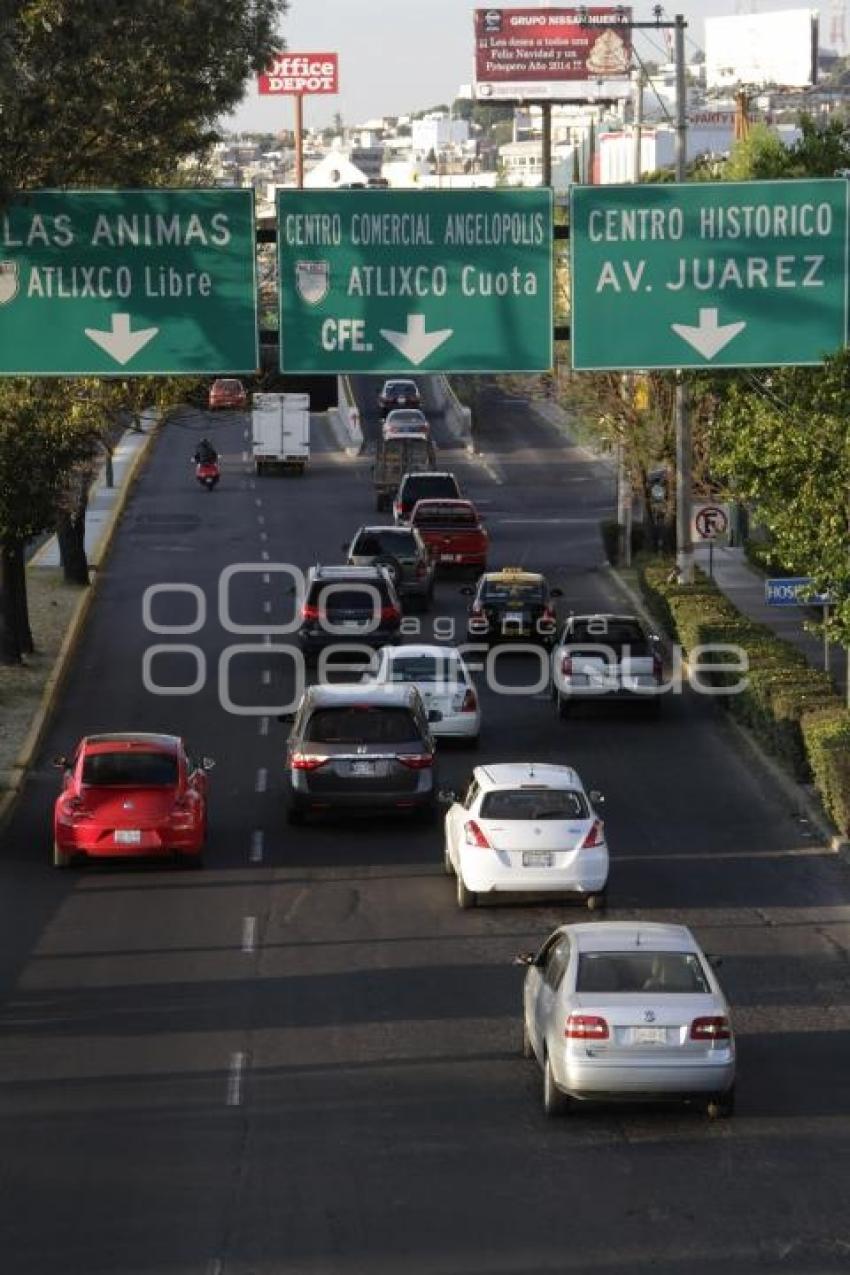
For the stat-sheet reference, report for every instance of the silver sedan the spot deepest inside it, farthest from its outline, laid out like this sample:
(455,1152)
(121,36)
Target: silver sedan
(627,1010)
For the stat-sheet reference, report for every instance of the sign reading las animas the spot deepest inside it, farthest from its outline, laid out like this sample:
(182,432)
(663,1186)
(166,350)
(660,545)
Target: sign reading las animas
(386,281)
(112,282)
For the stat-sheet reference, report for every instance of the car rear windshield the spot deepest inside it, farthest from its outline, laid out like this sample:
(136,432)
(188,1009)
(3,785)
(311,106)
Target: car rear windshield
(425,668)
(389,540)
(130,770)
(426,488)
(499,591)
(446,516)
(533,803)
(362,725)
(617,635)
(230,385)
(406,416)
(643,971)
(393,389)
(348,597)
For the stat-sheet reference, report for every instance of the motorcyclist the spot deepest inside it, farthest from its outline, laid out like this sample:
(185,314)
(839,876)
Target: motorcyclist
(206,453)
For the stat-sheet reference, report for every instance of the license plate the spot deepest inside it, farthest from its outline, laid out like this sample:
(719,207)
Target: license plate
(450,557)
(362,768)
(536,859)
(127,836)
(649,1035)
(513,617)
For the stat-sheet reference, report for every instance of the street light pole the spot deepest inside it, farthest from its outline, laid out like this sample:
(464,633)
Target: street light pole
(684,545)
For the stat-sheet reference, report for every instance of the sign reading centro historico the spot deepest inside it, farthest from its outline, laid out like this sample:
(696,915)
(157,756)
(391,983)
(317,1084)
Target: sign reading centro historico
(388,281)
(708,274)
(142,282)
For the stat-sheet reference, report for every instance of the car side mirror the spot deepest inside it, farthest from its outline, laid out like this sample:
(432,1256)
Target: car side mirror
(61,762)
(597,798)
(523,958)
(434,715)
(556,593)
(467,591)
(446,796)
(207,763)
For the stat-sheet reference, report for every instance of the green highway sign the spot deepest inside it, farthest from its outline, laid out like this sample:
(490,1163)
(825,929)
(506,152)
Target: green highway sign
(128,283)
(708,274)
(392,281)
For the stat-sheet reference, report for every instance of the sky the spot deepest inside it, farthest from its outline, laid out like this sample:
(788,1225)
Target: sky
(397,56)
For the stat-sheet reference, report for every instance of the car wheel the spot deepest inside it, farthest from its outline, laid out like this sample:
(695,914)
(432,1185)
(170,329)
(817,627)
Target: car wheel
(595,902)
(722,1105)
(61,858)
(555,1103)
(465,898)
(527,1048)
(562,707)
(295,816)
(473,741)
(448,866)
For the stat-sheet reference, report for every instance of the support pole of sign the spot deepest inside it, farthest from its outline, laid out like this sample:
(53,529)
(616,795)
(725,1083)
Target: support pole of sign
(299,140)
(711,559)
(684,545)
(637,127)
(546,110)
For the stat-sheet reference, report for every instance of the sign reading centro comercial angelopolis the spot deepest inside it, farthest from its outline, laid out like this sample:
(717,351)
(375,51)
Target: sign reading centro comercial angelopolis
(137,282)
(708,274)
(389,281)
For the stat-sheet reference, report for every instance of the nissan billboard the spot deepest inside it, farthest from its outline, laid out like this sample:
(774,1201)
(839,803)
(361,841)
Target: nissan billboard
(551,53)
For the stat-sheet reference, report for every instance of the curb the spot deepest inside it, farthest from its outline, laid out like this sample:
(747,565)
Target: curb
(73,634)
(802,802)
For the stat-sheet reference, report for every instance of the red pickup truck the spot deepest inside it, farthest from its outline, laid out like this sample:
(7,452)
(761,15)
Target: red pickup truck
(452,531)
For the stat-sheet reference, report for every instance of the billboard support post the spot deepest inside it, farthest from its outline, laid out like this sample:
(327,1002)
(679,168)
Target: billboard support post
(546,108)
(298,100)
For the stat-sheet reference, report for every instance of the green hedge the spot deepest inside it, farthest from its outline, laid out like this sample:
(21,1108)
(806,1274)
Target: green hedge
(790,706)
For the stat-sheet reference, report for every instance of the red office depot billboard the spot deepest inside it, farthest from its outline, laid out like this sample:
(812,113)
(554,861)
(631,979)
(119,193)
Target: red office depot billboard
(301,73)
(550,53)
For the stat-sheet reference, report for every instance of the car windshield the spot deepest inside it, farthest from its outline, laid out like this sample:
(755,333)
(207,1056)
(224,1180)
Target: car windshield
(425,668)
(512,591)
(617,635)
(362,724)
(130,770)
(425,488)
(533,803)
(446,516)
(389,540)
(644,971)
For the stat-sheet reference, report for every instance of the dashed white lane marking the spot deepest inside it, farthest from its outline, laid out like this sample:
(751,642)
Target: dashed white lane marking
(215,1266)
(245,433)
(267,606)
(257,838)
(267,677)
(262,779)
(258,501)
(264,535)
(491,470)
(244,457)
(266,578)
(546,522)
(261,520)
(234,1078)
(249,934)
(264,725)
(264,554)
(251,485)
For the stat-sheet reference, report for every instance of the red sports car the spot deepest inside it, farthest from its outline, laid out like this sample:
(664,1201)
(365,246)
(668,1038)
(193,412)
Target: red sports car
(129,795)
(228,392)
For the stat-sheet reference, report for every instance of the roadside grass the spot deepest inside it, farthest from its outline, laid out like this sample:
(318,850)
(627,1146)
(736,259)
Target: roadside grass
(51,605)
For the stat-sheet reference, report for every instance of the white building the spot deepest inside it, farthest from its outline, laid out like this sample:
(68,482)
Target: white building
(436,132)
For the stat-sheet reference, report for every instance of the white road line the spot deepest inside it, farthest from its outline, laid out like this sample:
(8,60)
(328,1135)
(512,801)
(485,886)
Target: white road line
(267,606)
(244,457)
(251,484)
(234,1079)
(267,638)
(258,501)
(262,780)
(249,934)
(215,1266)
(264,725)
(266,578)
(267,677)
(261,520)
(264,554)
(548,522)
(264,535)
(257,837)
(245,433)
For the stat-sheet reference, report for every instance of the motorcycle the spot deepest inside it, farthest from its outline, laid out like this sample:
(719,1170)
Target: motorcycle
(208,473)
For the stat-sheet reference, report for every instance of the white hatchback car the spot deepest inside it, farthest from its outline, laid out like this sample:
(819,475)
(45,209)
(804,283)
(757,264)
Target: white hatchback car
(444,682)
(627,1010)
(526,828)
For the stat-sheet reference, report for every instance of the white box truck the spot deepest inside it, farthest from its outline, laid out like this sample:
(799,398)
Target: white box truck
(280,431)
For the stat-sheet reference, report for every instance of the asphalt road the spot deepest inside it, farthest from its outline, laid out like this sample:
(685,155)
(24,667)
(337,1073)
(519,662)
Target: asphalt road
(306,1059)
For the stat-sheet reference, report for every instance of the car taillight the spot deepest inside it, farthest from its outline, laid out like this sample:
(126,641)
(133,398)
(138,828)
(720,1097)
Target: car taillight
(586,1027)
(415,761)
(567,666)
(389,613)
(309,612)
(470,703)
(475,837)
(595,836)
(548,615)
(476,611)
(711,1029)
(397,508)
(307,761)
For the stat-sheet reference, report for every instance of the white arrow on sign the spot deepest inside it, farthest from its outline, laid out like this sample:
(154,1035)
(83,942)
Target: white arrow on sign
(416,344)
(709,337)
(118,341)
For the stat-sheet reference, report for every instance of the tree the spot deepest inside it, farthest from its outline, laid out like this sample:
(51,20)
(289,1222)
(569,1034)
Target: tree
(762,155)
